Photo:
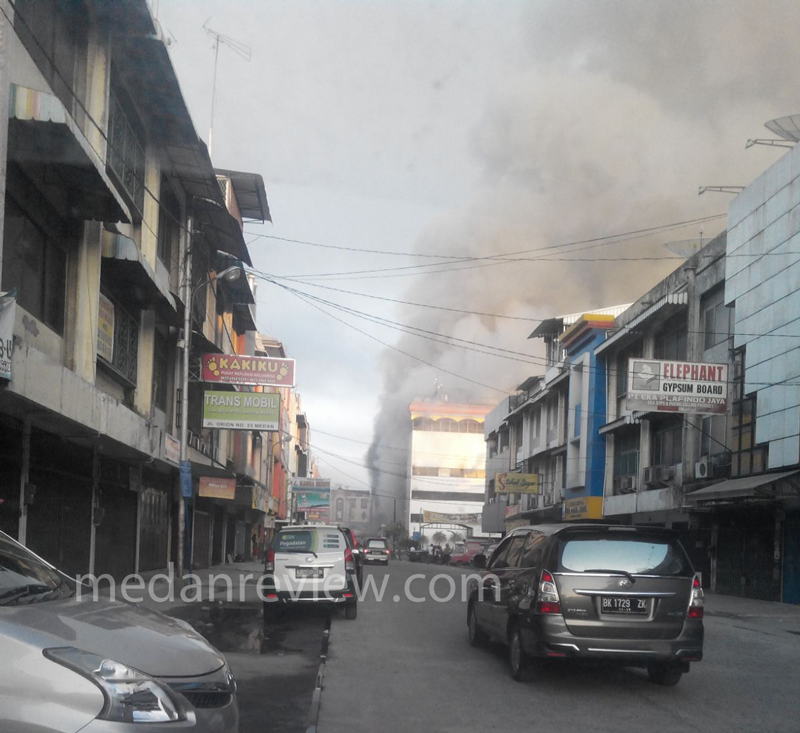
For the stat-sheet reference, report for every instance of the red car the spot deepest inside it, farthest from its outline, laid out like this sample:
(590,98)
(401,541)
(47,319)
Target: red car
(463,554)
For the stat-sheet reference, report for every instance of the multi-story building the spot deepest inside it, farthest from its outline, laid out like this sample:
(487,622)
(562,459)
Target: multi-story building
(352,508)
(548,429)
(446,469)
(109,199)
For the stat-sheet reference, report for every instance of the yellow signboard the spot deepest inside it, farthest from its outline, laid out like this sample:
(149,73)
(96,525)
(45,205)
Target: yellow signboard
(516,483)
(583,507)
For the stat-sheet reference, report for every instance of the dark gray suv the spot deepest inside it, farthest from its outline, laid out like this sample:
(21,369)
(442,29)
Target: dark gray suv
(618,593)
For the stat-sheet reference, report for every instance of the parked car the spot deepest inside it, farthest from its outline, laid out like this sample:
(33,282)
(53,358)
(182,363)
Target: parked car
(310,564)
(355,546)
(376,550)
(417,554)
(74,663)
(622,594)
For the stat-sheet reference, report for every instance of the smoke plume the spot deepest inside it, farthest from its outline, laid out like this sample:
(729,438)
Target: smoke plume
(623,110)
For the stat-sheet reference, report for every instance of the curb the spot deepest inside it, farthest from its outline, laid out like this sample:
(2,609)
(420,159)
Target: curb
(316,696)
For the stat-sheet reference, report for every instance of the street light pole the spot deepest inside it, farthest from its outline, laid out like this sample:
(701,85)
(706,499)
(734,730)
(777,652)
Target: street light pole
(229,274)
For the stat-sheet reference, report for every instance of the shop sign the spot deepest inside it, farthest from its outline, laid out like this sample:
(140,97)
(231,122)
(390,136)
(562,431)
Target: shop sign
(308,499)
(311,484)
(516,483)
(692,388)
(583,507)
(105,329)
(217,488)
(257,371)
(429,517)
(241,410)
(8,307)
(172,449)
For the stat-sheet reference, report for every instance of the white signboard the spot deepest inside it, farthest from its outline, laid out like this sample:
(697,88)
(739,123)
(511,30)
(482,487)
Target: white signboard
(695,388)
(8,307)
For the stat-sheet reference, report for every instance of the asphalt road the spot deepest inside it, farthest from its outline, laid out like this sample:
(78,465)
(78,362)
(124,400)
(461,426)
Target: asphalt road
(404,666)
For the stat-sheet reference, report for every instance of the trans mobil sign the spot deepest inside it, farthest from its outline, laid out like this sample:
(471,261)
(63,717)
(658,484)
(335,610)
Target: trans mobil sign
(241,410)
(256,371)
(695,388)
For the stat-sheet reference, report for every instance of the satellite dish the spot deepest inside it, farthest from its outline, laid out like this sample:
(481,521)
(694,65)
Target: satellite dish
(686,247)
(786,127)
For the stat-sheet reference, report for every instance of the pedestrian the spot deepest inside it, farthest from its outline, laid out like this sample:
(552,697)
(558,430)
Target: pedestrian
(255,546)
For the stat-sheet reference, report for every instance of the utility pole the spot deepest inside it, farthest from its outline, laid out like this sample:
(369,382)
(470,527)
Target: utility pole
(185,465)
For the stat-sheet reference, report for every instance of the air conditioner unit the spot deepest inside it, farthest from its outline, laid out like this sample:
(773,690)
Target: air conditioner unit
(624,484)
(657,476)
(703,469)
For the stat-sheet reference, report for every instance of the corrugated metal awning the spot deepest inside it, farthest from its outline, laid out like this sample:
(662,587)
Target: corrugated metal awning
(42,134)
(748,487)
(671,301)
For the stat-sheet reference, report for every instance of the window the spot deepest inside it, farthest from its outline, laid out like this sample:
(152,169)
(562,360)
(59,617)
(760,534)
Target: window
(339,509)
(533,550)
(498,559)
(623,356)
(447,425)
(422,423)
(469,426)
(626,453)
(35,265)
(125,343)
(537,423)
(713,439)
(671,340)
(716,317)
(364,503)
(552,414)
(635,554)
(125,149)
(51,33)
(667,442)
(169,230)
(515,550)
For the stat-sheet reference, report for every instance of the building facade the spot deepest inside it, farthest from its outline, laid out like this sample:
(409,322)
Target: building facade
(446,469)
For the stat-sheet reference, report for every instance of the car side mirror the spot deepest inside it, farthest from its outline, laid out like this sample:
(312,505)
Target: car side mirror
(479,561)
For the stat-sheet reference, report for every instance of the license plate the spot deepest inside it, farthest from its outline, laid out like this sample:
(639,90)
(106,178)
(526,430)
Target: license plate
(308,572)
(626,605)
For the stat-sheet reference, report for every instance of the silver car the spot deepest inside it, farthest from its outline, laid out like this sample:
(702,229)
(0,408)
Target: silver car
(73,663)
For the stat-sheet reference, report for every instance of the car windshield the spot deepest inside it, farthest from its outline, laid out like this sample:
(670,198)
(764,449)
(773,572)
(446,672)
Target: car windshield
(24,578)
(376,544)
(644,555)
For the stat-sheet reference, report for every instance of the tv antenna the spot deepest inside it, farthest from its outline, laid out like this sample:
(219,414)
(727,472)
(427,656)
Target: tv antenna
(786,128)
(720,189)
(240,49)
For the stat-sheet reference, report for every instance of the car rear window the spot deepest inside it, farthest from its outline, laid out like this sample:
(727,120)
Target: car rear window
(649,555)
(299,541)
(376,544)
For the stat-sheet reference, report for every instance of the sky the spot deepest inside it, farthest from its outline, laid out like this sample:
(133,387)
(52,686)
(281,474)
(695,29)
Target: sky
(470,129)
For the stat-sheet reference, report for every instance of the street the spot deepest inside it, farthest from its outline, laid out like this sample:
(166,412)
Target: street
(404,666)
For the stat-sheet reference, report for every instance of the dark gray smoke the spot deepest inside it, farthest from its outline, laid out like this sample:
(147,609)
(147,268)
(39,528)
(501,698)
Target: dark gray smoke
(625,109)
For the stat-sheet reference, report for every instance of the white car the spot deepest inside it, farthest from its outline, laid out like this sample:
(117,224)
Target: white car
(310,564)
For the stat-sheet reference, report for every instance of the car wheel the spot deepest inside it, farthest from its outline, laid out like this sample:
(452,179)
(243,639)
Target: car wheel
(666,675)
(351,611)
(477,636)
(517,659)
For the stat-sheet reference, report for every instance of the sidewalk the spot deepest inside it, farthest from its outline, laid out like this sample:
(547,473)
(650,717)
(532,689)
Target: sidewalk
(201,592)
(733,607)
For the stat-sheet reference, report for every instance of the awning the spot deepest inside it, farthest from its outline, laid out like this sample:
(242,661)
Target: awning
(762,486)
(251,196)
(665,306)
(221,230)
(626,420)
(44,138)
(124,263)
(243,318)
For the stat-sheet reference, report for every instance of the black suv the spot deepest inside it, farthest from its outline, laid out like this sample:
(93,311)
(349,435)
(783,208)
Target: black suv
(591,591)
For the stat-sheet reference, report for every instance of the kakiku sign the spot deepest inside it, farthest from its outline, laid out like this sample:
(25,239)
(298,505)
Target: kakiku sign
(256,371)
(698,388)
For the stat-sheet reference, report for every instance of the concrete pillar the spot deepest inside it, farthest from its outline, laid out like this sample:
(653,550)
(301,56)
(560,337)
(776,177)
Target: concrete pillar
(95,508)
(694,352)
(4,92)
(83,303)
(24,474)
(143,397)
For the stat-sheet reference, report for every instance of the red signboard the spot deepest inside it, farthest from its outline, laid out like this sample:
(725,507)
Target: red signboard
(253,370)
(218,488)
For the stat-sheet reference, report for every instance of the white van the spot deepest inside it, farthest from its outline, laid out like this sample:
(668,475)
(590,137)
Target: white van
(310,564)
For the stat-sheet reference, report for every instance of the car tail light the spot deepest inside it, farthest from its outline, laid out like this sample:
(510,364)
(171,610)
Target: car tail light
(269,561)
(348,560)
(698,599)
(547,600)
(386,552)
